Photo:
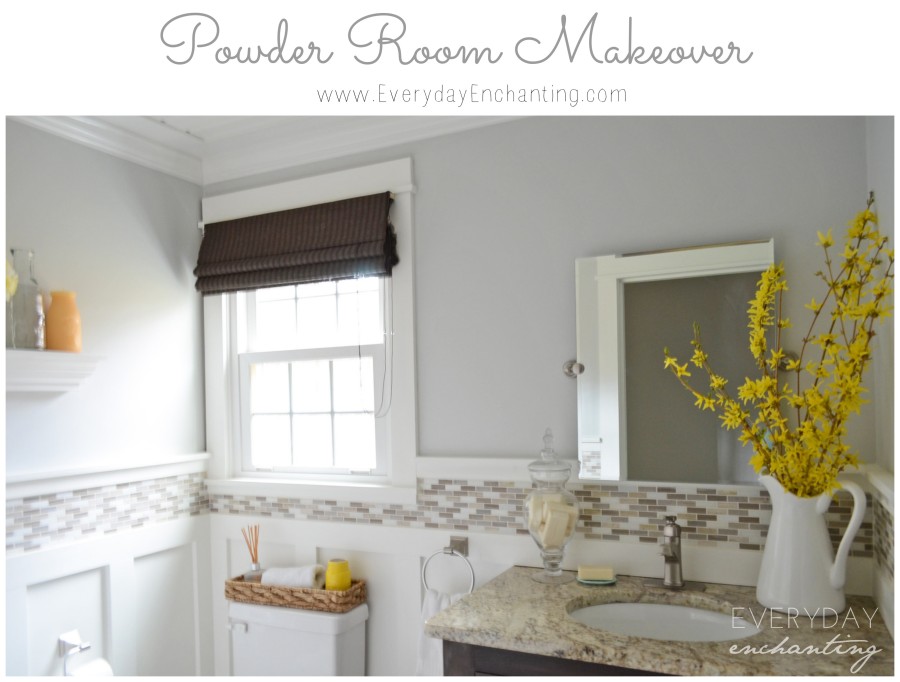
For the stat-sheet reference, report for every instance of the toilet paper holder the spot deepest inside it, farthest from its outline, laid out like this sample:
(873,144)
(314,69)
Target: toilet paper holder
(69,644)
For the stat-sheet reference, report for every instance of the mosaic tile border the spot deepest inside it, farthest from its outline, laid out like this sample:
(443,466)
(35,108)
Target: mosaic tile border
(625,512)
(735,517)
(710,516)
(884,538)
(37,522)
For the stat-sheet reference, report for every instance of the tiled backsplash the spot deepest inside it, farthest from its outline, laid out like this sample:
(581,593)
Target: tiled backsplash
(41,521)
(735,516)
(627,512)
(884,538)
(710,515)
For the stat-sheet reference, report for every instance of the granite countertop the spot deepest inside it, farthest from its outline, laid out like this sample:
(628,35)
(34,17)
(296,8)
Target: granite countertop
(515,613)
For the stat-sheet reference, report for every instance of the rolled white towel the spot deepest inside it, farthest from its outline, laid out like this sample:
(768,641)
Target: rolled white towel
(295,576)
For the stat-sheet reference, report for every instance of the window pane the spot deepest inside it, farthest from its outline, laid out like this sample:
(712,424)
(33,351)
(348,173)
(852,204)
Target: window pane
(353,385)
(276,326)
(315,289)
(311,386)
(270,440)
(275,293)
(362,284)
(312,441)
(347,312)
(354,441)
(269,388)
(359,318)
(317,321)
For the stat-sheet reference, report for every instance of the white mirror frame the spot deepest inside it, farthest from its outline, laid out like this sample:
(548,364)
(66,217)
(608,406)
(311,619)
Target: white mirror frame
(600,330)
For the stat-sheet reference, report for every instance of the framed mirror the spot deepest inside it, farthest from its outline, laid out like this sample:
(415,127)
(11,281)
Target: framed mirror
(635,421)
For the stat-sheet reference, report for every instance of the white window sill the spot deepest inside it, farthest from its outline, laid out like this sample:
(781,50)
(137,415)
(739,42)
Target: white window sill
(339,492)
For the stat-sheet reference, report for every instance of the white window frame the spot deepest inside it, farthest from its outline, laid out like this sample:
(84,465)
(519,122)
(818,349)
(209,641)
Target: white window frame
(221,336)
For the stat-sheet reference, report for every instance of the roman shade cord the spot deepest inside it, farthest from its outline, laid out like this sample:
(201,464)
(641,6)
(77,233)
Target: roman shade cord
(337,240)
(387,351)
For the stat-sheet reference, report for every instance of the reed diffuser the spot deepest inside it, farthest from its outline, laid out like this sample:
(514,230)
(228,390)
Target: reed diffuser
(251,537)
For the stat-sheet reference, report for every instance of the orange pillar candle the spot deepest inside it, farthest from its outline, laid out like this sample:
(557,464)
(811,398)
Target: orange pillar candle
(63,323)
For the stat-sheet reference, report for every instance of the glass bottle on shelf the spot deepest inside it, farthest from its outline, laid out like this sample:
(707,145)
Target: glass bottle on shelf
(25,310)
(551,512)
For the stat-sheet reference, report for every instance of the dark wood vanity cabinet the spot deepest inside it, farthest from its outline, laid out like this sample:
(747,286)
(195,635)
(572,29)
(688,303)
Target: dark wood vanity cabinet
(471,659)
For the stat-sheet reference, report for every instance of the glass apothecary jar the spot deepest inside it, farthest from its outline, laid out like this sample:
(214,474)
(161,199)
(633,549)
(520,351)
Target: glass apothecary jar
(551,512)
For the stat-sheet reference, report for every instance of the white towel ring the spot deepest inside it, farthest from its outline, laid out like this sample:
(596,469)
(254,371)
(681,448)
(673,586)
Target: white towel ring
(451,552)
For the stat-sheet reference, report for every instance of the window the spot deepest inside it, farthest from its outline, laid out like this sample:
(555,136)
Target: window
(315,378)
(262,349)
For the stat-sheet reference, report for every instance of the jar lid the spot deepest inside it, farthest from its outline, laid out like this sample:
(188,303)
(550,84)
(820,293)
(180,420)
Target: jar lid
(549,468)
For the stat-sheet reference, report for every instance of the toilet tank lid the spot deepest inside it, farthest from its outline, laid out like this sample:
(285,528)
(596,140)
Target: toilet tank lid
(320,622)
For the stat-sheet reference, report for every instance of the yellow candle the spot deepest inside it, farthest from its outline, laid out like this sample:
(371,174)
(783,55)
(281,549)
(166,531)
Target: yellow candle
(337,575)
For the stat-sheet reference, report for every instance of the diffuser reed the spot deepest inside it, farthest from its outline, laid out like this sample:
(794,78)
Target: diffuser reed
(251,537)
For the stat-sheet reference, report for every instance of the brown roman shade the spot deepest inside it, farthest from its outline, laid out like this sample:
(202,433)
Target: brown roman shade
(337,240)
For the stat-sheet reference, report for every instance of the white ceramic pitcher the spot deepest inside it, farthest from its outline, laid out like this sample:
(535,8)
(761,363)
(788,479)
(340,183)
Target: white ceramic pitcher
(799,570)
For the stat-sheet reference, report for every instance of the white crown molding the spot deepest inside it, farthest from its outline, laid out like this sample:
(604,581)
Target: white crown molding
(279,143)
(106,138)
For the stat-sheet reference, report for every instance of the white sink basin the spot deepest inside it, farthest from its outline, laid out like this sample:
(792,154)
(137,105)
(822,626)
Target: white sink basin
(668,622)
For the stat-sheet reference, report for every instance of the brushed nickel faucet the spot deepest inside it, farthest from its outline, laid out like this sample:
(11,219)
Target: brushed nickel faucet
(671,551)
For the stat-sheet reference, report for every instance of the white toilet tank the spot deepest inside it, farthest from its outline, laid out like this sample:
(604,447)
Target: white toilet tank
(275,640)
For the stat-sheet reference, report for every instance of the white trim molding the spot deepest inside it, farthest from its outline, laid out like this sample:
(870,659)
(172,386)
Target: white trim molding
(31,484)
(882,481)
(310,490)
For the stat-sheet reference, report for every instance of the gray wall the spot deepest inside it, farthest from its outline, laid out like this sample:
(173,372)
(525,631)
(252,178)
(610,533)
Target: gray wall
(502,212)
(880,158)
(125,239)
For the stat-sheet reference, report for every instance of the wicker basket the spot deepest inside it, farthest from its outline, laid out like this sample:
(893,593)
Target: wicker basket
(335,601)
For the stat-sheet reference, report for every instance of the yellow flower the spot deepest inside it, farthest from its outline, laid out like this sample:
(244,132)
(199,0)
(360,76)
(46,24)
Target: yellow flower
(734,416)
(699,357)
(717,382)
(12,281)
(704,402)
(804,447)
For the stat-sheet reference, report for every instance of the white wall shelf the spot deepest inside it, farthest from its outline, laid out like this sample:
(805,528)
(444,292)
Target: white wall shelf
(41,371)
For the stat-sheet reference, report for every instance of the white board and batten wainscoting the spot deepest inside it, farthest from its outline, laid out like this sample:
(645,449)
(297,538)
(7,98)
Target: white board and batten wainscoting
(140,595)
(150,599)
